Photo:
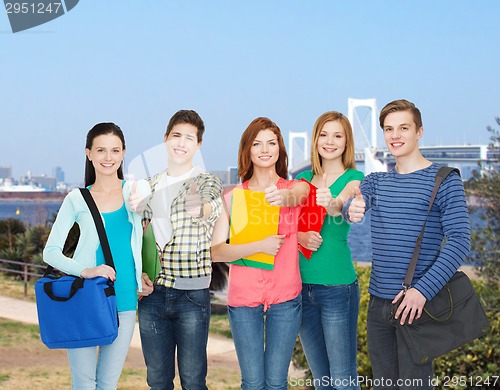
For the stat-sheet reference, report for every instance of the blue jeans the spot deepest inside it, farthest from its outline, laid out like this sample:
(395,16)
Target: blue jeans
(389,355)
(328,334)
(91,370)
(171,319)
(264,342)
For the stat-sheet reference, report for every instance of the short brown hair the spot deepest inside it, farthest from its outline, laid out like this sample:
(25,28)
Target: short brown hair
(190,117)
(401,105)
(245,166)
(348,158)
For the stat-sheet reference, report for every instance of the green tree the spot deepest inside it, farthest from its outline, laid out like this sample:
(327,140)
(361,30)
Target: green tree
(32,242)
(485,245)
(10,228)
(26,247)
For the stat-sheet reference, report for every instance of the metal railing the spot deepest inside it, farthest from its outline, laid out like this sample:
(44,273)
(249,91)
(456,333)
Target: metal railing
(27,271)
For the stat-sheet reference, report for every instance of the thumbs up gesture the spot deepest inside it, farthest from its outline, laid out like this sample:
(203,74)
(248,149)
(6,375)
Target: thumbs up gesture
(136,201)
(357,207)
(193,203)
(323,194)
(272,194)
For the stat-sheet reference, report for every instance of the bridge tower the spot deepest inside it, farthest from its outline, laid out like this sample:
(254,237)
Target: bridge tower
(297,154)
(363,141)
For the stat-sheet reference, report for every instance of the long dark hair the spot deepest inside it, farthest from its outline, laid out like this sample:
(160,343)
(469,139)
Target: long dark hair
(96,131)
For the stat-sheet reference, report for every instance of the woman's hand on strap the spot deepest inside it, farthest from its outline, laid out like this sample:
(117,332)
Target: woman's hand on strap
(103,270)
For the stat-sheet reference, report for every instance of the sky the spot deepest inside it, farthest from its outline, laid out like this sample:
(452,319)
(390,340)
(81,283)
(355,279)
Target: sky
(136,63)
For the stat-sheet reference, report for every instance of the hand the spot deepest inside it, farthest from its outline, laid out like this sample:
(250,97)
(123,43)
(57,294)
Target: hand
(147,285)
(193,203)
(272,194)
(310,240)
(357,207)
(411,307)
(137,202)
(103,270)
(272,244)
(323,194)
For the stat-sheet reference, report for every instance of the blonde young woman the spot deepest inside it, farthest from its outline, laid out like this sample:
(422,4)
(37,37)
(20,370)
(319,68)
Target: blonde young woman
(330,292)
(264,305)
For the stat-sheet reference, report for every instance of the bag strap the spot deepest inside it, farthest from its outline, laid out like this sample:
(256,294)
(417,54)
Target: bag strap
(99,225)
(441,174)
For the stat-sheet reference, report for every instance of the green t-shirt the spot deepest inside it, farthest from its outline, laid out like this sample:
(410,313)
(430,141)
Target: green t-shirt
(331,264)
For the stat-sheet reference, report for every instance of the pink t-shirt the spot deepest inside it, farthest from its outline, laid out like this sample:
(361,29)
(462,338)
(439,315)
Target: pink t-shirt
(250,286)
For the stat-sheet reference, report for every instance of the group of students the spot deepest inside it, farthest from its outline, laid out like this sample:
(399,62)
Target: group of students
(316,298)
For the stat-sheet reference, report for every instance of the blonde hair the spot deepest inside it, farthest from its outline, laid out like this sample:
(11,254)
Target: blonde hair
(348,158)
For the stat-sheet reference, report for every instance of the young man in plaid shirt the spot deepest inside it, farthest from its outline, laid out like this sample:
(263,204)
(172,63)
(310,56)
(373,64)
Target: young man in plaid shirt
(183,208)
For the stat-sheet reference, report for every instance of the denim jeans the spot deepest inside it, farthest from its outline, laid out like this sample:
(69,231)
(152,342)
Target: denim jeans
(101,370)
(264,342)
(328,334)
(389,355)
(171,320)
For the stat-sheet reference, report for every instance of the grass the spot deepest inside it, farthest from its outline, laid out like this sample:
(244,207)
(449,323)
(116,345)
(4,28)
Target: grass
(15,333)
(219,324)
(48,369)
(14,288)
(19,340)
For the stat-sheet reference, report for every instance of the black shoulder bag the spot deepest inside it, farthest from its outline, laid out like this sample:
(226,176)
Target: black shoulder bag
(453,317)
(74,312)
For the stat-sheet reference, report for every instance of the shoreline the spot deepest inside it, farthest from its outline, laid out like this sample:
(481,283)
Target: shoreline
(40,196)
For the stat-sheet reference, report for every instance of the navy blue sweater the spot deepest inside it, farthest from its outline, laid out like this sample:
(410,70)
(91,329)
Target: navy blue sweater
(398,204)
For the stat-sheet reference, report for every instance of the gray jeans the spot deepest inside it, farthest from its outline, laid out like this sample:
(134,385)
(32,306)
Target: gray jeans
(391,362)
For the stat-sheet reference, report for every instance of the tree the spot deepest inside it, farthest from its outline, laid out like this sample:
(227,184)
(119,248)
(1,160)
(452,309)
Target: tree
(485,247)
(32,242)
(9,229)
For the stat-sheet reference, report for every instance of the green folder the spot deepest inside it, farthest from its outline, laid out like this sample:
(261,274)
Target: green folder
(150,260)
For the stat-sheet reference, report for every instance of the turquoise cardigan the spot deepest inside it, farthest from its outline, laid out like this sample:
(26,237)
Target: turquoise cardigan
(74,209)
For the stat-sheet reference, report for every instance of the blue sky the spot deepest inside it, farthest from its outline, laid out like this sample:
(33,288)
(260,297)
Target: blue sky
(136,63)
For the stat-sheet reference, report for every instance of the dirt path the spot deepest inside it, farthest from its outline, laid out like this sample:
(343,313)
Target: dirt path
(30,356)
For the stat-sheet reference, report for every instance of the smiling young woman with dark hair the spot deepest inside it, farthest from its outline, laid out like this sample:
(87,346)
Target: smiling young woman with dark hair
(105,148)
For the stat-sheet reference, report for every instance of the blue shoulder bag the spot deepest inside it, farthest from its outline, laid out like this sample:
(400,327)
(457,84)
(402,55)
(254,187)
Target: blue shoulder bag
(74,312)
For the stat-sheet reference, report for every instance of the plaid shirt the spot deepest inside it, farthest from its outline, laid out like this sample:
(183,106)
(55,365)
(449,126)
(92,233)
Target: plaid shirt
(187,255)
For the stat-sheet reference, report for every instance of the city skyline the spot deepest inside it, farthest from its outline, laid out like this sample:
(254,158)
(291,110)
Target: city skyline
(137,63)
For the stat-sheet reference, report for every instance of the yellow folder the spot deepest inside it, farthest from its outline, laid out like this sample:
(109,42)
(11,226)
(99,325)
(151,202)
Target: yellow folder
(252,219)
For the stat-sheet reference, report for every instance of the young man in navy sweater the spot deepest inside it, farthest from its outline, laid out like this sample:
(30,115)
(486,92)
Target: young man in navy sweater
(398,201)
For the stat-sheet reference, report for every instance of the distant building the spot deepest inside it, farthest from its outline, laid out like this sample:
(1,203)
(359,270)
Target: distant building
(222,175)
(5,172)
(47,183)
(233,175)
(229,177)
(58,173)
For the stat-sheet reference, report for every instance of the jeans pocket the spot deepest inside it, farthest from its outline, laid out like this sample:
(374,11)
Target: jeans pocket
(371,302)
(199,298)
(296,302)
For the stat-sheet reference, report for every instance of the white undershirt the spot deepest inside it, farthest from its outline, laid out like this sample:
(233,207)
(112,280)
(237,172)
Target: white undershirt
(166,191)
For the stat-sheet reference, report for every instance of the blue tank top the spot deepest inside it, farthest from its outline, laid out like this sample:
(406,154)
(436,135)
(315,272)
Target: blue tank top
(119,232)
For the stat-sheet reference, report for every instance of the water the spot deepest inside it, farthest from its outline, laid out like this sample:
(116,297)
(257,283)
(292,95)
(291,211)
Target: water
(360,240)
(41,212)
(30,212)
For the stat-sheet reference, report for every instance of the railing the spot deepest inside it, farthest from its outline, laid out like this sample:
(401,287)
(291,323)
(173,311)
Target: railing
(218,307)
(26,272)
